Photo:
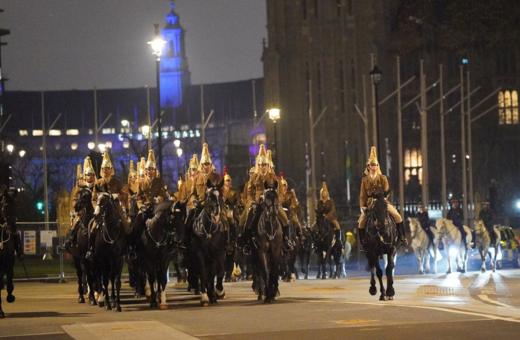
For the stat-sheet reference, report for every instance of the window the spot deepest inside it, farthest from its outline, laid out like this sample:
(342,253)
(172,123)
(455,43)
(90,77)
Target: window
(507,107)
(412,164)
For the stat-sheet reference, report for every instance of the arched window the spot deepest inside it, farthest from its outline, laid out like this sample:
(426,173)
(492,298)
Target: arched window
(507,107)
(412,164)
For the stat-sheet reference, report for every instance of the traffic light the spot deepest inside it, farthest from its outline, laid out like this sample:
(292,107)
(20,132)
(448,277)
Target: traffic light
(39,206)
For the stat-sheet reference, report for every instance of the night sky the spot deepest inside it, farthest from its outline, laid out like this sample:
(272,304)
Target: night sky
(73,44)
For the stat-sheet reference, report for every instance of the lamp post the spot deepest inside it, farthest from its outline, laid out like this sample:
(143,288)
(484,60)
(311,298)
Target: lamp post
(375,74)
(179,154)
(157,44)
(274,115)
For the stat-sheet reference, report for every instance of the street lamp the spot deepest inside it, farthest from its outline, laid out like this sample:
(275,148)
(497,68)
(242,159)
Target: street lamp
(177,143)
(375,74)
(179,154)
(10,148)
(125,123)
(145,130)
(274,115)
(22,153)
(157,44)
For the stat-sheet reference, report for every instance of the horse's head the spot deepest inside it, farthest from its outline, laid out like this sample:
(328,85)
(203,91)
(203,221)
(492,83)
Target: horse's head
(213,203)
(479,226)
(103,200)
(321,220)
(414,224)
(379,209)
(442,225)
(271,200)
(83,200)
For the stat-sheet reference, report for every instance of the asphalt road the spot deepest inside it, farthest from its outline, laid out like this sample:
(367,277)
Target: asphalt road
(433,306)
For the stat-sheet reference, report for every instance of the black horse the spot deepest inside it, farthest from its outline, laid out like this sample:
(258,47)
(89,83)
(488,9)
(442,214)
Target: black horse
(209,242)
(304,254)
(136,272)
(7,219)
(161,234)
(109,250)
(381,239)
(323,239)
(267,241)
(289,257)
(85,213)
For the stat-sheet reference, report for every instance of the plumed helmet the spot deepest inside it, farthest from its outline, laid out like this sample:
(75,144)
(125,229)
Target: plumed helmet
(282,180)
(205,157)
(324,193)
(131,170)
(88,169)
(107,163)
(226,175)
(79,173)
(252,170)
(150,163)
(373,160)
(262,157)
(141,166)
(194,162)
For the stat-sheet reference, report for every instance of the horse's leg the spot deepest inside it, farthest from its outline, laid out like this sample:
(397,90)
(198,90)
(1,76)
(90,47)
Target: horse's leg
(2,315)
(272,278)
(113,275)
(117,281)
(427,261)
(91,279)
(447,250)
(79,274)
(390,274)
(212,273)
(372,258)
(483,254)
(220,292)
(162,281)
(419,259)
(201,267)
(435,251)
(307,259)
(494,258)
(379,273)
(106,278)
(263,278)
(9,274)
(152,278)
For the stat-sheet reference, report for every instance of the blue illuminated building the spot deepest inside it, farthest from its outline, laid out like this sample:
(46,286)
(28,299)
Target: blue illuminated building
(175,75)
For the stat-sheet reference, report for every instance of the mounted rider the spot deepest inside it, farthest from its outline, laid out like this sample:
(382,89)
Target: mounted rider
(330,213)
(197,194)
(424,222)
(115,188)
(150,190)
(456,215)
(488,216)
(187,188)
(255,192)
(11,222)
(289,201)
(373,182)
(89,175)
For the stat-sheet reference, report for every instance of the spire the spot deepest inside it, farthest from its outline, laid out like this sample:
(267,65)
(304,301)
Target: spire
(172,19)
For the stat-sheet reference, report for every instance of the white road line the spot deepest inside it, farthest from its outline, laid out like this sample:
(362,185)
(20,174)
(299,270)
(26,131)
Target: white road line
(24,335)
(487,316)
(487,299)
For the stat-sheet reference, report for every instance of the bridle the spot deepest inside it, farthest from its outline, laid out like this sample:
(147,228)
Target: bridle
(270,212)
(104,229)
(211,206)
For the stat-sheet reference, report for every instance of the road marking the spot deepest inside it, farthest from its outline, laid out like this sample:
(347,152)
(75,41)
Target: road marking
(487,316)
(24,335)
(487,299)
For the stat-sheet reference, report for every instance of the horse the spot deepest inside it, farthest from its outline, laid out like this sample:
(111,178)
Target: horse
(7,218)
(85,212)
(483,242)
(109,250)
(304,254)
(423,247)
(267,241)
(452,238)
(289,257)
(324,240)
(136,273)
(380,240)
(209,241)
(161,234)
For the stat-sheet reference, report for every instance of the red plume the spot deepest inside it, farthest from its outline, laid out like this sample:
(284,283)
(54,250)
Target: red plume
(225,170)
(281,174)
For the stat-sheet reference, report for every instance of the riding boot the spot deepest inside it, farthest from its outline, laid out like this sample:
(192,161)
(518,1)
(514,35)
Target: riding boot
(401,234)
(337,232)
(70,241)
(287,244)
(18,246)
(245,241)
(362,245)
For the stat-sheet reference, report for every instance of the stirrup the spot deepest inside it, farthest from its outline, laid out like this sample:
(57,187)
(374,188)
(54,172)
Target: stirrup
(247,249)
(288,246)
(403,241)
(89,256)
(132,255)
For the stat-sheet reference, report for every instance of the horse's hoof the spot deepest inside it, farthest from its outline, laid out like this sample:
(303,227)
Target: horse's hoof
(421,272)
(259,298)
(372,290)
(153,304)
(227,279)
(257,292)
(2,315)
(81,299)
(137,295)
(10,298)
(220,294)
(382,298)
(391,298)
(483,270)
(204,304)
(118,309)
(108,307)
(163,306)
(93,303)
(494,270)
(213,300)
(113,304)
(448,272)
(101,304)
(267,300)
(463,271)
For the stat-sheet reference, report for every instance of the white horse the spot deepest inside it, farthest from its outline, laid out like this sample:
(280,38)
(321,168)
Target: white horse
(422,246)
(452,239)
(483,241)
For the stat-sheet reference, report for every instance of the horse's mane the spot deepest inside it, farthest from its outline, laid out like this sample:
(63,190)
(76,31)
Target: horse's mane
(162,206)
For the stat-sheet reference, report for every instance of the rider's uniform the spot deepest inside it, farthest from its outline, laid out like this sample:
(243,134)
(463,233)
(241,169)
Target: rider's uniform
(131,189)
(288,201)
(230,198)
(329,209)
(149,189)
(487,216)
